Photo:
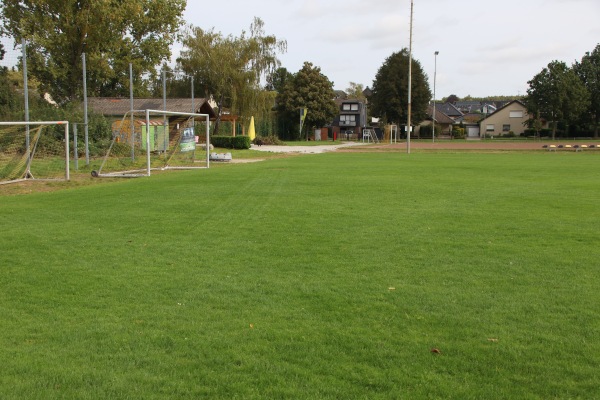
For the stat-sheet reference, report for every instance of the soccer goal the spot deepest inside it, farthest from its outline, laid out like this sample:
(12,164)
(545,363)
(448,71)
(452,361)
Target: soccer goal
(156,140)
(34,150)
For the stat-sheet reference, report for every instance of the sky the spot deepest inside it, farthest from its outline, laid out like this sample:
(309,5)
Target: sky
(485,48)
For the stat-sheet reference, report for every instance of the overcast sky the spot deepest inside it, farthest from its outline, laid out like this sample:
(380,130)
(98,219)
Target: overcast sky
(486,48)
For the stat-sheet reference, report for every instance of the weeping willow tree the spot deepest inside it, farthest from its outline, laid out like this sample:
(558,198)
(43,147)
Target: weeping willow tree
(231,69)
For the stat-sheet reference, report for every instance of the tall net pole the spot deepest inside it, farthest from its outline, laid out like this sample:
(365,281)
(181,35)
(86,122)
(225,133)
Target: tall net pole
(132,125)
(85,111)
(25,93)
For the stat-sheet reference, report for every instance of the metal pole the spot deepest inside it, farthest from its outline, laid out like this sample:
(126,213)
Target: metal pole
(207,142)
(75,151)
(409,79)
(165,133)
(434,76)
(85,112)
(67,175)
(148,142)
(26,95)
(193,107)
(132,125)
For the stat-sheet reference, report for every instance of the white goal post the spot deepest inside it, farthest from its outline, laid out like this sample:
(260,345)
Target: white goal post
(146,140)
(30,152)
(191,115)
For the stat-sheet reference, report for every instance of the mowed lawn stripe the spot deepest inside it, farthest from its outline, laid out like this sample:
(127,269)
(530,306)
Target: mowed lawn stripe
(318,276)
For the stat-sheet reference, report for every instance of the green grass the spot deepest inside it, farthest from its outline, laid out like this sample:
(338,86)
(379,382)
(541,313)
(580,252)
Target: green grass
(325,276)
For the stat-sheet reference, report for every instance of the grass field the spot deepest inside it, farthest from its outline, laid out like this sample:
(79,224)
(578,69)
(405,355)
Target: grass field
(328,276)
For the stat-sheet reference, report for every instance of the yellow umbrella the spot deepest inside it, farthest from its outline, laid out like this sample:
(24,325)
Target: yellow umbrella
(251,132)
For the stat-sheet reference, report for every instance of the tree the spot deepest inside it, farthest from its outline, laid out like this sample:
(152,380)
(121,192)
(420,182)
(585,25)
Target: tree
(390,90)
(355,91)
(452,99)
(231,68)
(308,89)
(111,33)
(278,79)
(588,71)
(557,94)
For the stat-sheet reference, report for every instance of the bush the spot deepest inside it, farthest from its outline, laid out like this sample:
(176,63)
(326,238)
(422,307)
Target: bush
(267,140)
(458,133)
(231,142)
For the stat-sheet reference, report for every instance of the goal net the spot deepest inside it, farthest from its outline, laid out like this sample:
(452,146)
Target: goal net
(34,150)
(148,140)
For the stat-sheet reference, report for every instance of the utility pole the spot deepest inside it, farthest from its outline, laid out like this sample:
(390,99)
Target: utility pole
(408,128)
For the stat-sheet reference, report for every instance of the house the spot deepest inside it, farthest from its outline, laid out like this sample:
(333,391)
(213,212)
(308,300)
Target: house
(512,117)
(449,110)
(351,118)
(442,121)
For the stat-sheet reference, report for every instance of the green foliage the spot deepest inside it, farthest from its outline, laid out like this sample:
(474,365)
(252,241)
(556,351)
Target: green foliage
(308,89)
(277,80)
(111,33)
(458,132)
(425,130)
(231,142)
(268,140)
(557,94)
(390,90)
(231,68)
(355,91)
(588,71)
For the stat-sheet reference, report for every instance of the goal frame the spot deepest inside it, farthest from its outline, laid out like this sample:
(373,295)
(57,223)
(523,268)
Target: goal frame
(146,114)
(27,174)
(193,115)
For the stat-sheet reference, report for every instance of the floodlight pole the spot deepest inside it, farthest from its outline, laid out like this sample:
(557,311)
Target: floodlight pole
(434,76)
(408,128)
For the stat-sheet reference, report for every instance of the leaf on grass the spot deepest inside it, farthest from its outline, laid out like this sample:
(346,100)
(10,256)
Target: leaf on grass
(435,350)
(492,340)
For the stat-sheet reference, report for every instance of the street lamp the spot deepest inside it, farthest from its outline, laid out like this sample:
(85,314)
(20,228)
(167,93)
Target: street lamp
(434,76)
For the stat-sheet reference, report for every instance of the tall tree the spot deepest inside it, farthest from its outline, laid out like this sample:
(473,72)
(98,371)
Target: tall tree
(111,33)
(355,91)
(390,90)
(557,94)
(588,71)
(278,79)
(308,89)
(230,68)
(452,99)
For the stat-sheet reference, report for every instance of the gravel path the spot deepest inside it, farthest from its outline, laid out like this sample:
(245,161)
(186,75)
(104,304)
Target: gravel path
(304,149)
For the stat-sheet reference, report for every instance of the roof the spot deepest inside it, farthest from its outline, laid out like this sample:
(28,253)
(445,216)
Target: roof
(505,106)
(119,106)
(440,117)
(449,109)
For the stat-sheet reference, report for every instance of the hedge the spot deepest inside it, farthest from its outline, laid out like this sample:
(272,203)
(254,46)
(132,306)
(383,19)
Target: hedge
(231,142)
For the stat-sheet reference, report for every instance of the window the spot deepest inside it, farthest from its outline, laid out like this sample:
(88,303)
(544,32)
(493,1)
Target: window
(516,114)
(505,128)
(489,128)
(354,107)
(347,118)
